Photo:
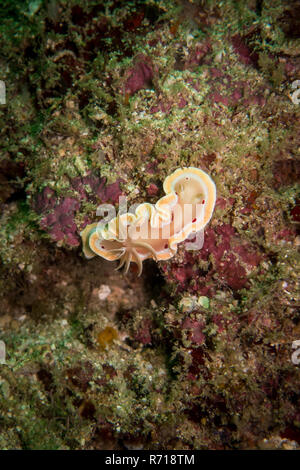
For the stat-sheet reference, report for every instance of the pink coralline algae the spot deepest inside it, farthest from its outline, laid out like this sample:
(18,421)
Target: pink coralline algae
(143,334)
(295,213)
(152,189)
(286,172)
(167,106)
(197,366)
(60,222)
(182,103)
(223,203)
(164,107)
(59,212)
(195,330)
(246,55)
(229,260)
(140,75)
(220,322)
(151,168)
(286,235)
(45,200)
(233,93)
(99,190)
(196,56)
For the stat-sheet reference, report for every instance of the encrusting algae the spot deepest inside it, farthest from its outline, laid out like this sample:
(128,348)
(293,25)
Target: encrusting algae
(154,231)
(106,337)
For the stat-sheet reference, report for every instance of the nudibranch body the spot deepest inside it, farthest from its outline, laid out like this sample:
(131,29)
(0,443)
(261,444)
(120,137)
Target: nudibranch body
(154,231)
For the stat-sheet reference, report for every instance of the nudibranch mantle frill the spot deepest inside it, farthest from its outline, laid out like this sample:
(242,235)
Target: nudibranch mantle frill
(154,231)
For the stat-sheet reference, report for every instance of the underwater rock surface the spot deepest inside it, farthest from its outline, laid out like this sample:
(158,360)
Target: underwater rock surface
(106,100)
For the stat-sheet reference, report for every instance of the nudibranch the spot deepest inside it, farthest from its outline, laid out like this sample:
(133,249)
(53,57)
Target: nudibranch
(154,231)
